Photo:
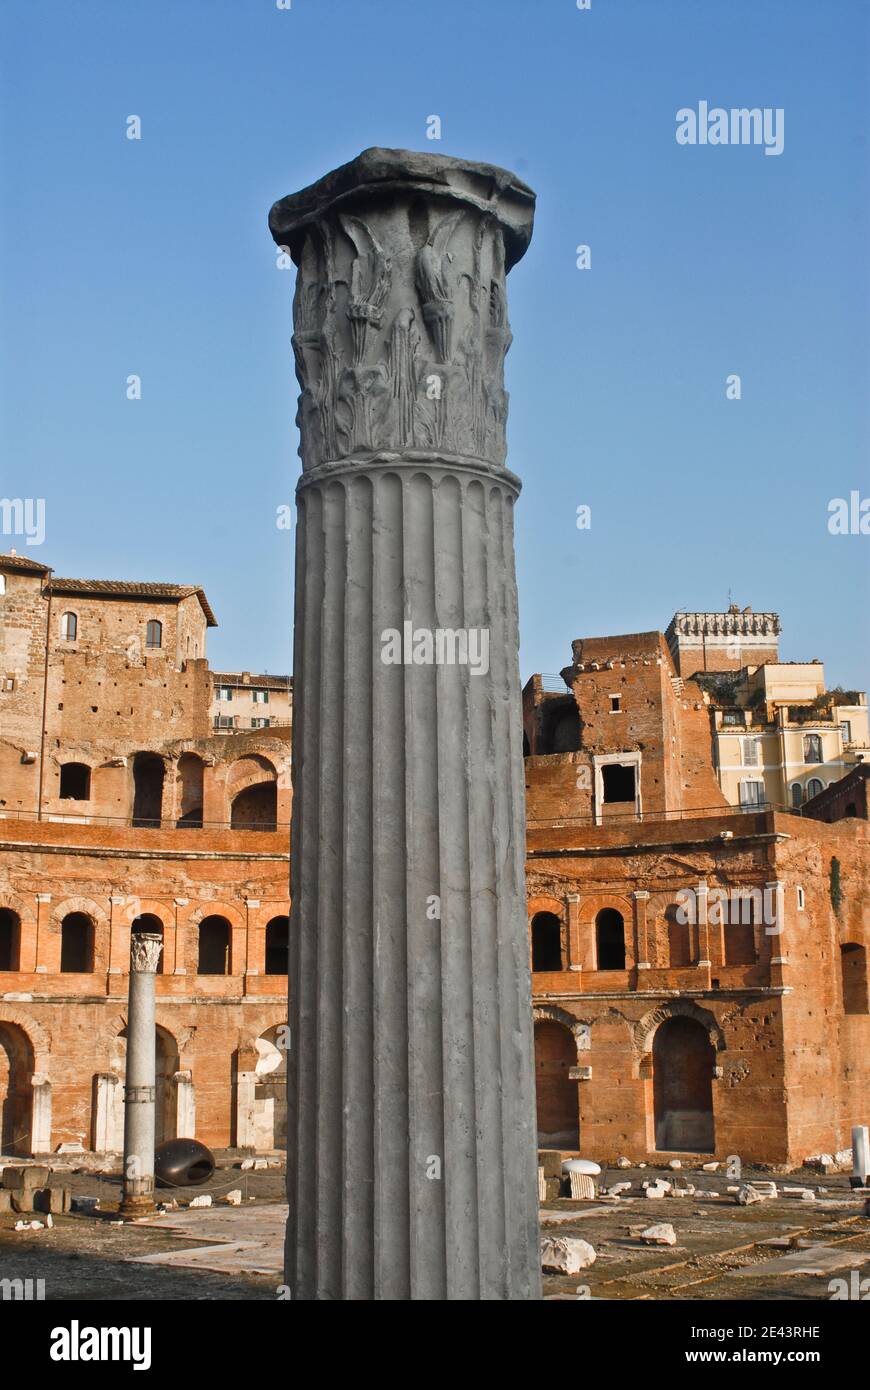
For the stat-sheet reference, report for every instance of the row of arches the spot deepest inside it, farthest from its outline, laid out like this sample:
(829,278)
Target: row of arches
(258,1082)
(250,790)
(683,1061)
(610,941)
(548,946)
(213,943)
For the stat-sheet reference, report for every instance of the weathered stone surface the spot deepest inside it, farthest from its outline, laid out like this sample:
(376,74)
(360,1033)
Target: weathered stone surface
(400,313)
(746,1195)
(411,1167)
(566,1254)
(662,1233)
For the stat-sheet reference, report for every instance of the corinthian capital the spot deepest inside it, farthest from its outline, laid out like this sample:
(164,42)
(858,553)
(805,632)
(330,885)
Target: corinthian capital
(400,321)
(145,948)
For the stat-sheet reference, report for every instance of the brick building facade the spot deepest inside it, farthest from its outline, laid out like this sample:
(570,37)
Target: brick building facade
(699,972)
(119,803)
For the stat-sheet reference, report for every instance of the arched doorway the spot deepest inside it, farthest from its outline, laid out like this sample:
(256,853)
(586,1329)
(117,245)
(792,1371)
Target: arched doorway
(16,1090)
(557,1094)
(683,1062)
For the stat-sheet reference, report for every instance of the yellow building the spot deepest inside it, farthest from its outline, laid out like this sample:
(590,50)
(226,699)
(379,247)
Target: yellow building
(779,735)
(782,738)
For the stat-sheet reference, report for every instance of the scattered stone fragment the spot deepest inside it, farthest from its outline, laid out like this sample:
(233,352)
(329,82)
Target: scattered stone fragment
(582,1186)
(28,1226)
(566,1254)
(661,1234)
(581,1165)
(623,1162)
(260,1163)
(202,1201)
(767,1189)
(617,1187)
(234,1198)
(746,1195)
(246,1164)
(710,1167)
(657,1190)
(675,1163)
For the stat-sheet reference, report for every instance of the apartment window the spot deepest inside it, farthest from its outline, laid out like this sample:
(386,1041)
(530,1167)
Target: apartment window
(801,899)
(224,721)
(750,752)
(846,726)
(224,692)
(261,697)
(812,748)
(615,704)
(9,683)
(260,723)
(751,795)
(69,626)
(153,633)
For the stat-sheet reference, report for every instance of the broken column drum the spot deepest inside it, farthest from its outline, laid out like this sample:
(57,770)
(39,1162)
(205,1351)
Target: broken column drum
(411,1118)
(140,1079)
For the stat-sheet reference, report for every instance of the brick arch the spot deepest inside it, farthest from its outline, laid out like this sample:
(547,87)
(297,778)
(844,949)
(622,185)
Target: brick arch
(593,903)
(37,1036)
(551,1013)
(97,914)
(644,1030)
(19,906)
(542,902)
(153,906)
(234,916)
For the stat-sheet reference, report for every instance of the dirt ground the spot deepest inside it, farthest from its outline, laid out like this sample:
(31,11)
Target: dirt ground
(723,1251)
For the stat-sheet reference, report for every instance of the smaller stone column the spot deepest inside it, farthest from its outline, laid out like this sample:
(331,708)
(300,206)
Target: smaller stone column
(861,1155)
(139,1090)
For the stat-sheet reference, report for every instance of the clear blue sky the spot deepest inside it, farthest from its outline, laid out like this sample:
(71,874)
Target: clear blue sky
(153,257)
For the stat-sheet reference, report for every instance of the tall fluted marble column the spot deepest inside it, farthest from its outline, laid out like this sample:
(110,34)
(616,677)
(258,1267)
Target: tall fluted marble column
(411,1126)
(140,1081)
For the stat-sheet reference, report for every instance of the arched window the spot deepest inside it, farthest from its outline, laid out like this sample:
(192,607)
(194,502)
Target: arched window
(214,946)
(546,941)
(277,945)
(148,922)
(76,944)
(797,795)
(853,961)
(10,939)
(153,633)
(69,626)
(610,939)
(75,782)
(814,786)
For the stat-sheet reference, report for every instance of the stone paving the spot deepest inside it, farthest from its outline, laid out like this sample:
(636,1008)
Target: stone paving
(782,1249)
